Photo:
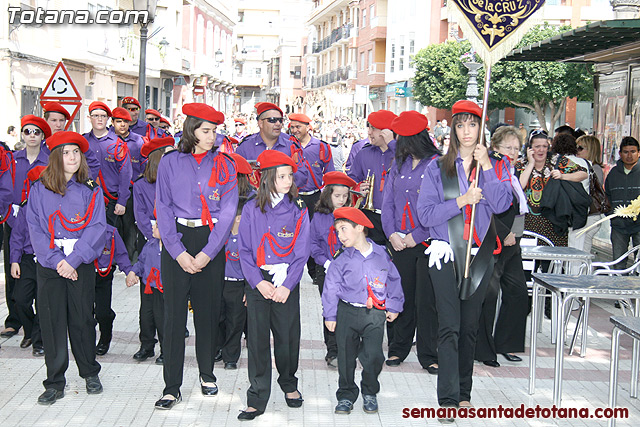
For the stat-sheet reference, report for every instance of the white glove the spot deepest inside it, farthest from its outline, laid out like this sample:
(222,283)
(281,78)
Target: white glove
(278,271)
(439,250)
(16,208)
(326,264)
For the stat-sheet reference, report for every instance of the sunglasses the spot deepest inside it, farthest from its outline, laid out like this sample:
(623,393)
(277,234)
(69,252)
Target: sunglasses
(538,132)
(133,108)
(153,119)
(35,132)
(274,120)
(240,124)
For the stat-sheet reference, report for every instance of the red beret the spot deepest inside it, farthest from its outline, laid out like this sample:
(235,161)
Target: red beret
(272,159)
(121,113)
(165,120)
(61,138)
(242,166)
(338,178)
(203,112)
(410,123)
(261,107)
(97,105)
(55,107)
(298,117)
(155,144)
(130,100)
(35,172)
(154,112)
(381,119)
(220,117)
(240,120)
(464,106)
(39,122)
(353,214)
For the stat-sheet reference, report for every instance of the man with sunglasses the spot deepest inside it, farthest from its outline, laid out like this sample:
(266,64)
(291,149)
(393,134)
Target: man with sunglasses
(165,126)
(142,128)
(153,117)
(270,137)
(241,128)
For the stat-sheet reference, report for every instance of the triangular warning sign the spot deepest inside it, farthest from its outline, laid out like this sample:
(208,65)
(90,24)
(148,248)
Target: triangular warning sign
(71,107)
(60,86)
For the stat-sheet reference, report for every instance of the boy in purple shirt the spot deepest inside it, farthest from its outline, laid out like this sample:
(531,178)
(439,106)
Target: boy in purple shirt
(361,290)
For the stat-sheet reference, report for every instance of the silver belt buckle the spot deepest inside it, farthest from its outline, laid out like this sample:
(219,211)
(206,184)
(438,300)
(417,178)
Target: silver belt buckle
(191,224)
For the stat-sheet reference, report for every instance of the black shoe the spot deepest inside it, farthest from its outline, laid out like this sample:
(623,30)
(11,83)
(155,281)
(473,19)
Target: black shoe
(218,356)
(208,390)
(102,348)
(294,402)
(393,362)
(168,403)
(143,354)
(248,416)
(492,363)
(344,407)
(332,361)
(8,332)
(26,342)
(37,351)
(446,419)
(512,357)
(160,360)
(50,396)
(370,404)
(433,370)
(230,365)
(94,386)
(186,333)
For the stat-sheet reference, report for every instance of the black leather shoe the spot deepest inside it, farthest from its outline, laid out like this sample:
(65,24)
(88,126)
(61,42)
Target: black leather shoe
(102,348)
(142,355)
(186,333)
(94,386)
(218,356)
(294,402)
(512,357)
(248,416)
(26,342)
(160,360)
(370,403)
(230,365)
(37,351)
(50,396)
(492,363)
(168,403)
(208,390)
(8,333)
(393,362)
(344,407)
(433,370)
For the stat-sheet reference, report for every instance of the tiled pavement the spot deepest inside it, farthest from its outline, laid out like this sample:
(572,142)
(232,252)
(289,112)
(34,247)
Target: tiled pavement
(131,388)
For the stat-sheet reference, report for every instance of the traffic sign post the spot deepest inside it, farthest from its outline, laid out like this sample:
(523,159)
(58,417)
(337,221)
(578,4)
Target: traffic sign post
(61,89)
(72,107)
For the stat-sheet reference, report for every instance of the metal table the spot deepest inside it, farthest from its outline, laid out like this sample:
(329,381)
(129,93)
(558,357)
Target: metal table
(631,327)
(563,288)
(560,255)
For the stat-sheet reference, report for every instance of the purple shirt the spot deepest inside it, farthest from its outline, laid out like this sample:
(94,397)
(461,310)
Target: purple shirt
(20,243)
(320,227)
(355,149)
(6,188)
(23,166)
(149,258)
(115,244)
(400,200)
(116,172)
(434,211)
(144,199)
(134,144)
(253,145)
(232,267)
(281,222)
(372,158)
(348,275)
(44,203)
(92,160)
(314,152)
(145,130)
(180,183)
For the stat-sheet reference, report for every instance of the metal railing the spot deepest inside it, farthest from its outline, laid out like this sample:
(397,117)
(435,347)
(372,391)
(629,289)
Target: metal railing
(336,35)
(341,74)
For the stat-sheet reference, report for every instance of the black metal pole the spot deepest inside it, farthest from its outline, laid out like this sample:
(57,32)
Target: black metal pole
(142,79)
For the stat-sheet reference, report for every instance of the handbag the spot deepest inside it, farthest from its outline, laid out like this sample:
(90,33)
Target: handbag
(599,202)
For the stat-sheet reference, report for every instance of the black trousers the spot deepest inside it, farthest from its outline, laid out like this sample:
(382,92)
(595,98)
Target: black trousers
(329,337)
(283,320)
(151,318)
(234,315)
(103,312)
(376,233)
(66,307)
(24,294)
(426,316)
(12,320)
(457,332)
(359,333)
(311,201)
(205,291)
(130,231)
(510,328)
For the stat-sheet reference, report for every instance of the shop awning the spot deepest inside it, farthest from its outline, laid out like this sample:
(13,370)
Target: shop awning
(602,41)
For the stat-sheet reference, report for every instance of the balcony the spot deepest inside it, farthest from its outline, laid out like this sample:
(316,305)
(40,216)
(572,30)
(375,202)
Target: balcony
(339,34)
(339,75)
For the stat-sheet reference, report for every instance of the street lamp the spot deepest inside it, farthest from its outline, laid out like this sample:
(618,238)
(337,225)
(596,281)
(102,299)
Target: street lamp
(149,6)
(218,57)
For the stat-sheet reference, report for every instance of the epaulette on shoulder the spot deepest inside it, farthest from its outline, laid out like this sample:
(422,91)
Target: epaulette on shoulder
(245,138)
(23,203)
(495,155)
(138,178)
(91,184)
(389,252)
(338,253)
(252,196)
(300,203)
(168,153)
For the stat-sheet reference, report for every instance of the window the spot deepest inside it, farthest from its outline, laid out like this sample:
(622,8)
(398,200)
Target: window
(393,50)
(392,67)
(241,16)
(412,46)
(402,50)
(372,13)
(258,72)
(371,59)
(401,64)
(361,61)
(364,18)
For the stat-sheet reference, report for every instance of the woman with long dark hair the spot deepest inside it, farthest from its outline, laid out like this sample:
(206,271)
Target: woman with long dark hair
(196,200)
(67,223)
